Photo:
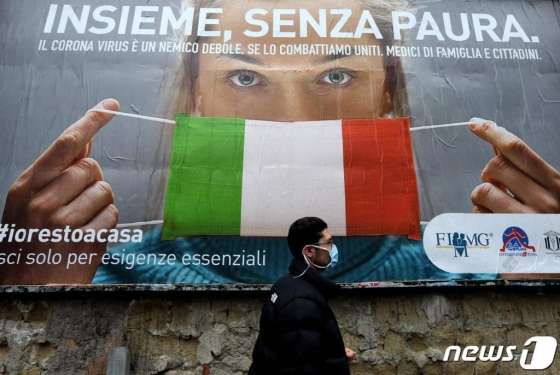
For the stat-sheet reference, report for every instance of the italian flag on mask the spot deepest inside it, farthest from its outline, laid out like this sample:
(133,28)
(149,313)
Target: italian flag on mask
(255,178)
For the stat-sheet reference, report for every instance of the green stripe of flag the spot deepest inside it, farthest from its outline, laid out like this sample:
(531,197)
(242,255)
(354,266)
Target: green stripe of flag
(205,177)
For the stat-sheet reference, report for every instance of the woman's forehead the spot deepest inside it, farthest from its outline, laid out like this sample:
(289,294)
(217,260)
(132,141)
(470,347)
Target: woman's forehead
(289,18)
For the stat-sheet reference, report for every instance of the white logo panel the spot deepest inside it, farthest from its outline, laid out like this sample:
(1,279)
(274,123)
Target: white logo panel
(494,243)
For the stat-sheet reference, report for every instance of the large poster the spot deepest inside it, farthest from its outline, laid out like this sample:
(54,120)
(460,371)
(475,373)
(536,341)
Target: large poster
(175,142)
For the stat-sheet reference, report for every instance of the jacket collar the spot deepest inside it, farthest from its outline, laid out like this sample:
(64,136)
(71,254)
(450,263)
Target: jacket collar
(325,286)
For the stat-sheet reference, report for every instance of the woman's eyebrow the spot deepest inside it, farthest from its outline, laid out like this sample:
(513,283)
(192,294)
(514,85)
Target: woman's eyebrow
(241,57)
(332,57)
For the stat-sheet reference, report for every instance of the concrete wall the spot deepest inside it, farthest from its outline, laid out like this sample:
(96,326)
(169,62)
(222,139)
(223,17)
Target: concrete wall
(394,332)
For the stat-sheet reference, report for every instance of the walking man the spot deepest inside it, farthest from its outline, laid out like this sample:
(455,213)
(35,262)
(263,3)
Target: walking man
(298,330)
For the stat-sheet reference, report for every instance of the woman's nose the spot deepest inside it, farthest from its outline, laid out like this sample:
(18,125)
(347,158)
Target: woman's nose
(295,101)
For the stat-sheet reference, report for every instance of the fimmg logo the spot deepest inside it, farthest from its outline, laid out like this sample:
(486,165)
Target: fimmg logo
(543,355)
(462,242)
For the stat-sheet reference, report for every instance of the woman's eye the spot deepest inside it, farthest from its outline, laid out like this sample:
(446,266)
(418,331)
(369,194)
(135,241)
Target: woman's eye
(244,79)
(337,77)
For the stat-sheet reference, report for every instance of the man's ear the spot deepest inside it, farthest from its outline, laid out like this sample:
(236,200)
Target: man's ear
(309,251)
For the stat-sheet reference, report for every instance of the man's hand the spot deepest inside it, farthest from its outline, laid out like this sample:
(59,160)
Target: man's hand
(350,354)
(533,183)
(63,187)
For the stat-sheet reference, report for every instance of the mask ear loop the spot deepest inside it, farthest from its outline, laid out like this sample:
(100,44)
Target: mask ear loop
(149,118)
(327,250)
(310,262)
(300,275)
(308,265)
(474,121)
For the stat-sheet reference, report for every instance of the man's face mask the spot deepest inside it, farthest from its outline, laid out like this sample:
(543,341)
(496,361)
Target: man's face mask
(333,252)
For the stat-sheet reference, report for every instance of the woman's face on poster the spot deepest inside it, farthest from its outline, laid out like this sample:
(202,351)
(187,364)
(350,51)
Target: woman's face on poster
(288,87)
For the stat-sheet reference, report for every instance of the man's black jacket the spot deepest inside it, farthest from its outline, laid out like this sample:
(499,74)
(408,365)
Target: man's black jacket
(298,330)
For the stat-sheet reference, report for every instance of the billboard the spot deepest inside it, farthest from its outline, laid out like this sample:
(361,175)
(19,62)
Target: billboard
(424,133)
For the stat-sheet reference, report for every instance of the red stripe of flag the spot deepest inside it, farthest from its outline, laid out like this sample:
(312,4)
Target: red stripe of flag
(380,179)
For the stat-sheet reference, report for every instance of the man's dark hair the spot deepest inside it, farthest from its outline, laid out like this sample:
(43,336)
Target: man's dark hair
(304,231)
